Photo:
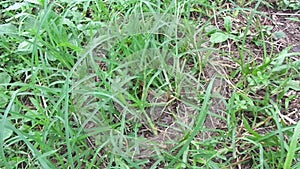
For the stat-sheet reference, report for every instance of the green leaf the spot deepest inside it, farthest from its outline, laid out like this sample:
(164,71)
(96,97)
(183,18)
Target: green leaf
(25,47)
(218,37)
(4,78)
(280,68)
(279,35)
(6,133)
(7,29)
(292,148)
(210,29)
(249,129)
(228,23)
(34,2)
(14,7)
(3,100)
(294,84)
(281,57)
(294,19)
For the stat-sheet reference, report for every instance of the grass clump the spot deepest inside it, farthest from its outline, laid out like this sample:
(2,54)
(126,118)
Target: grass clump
(138,84)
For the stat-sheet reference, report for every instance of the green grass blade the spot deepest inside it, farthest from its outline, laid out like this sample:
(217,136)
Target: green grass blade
(202,116)
(292,148)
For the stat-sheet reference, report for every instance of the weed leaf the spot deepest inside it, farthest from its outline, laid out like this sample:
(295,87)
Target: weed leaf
(294,84)
(218,37)
(4,78)
(15,6)
(279,35)
(6,133)
(7,29)
(228,23)
(281,57)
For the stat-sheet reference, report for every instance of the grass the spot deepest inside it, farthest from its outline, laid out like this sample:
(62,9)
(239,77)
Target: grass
(138,84)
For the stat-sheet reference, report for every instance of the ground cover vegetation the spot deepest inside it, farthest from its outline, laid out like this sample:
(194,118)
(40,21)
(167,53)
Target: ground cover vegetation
(149,84)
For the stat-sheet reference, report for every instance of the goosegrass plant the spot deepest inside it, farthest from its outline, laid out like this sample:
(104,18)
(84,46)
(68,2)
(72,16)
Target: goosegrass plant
(78,80)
